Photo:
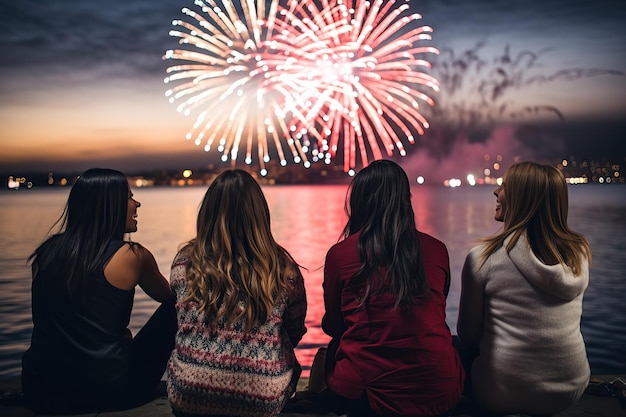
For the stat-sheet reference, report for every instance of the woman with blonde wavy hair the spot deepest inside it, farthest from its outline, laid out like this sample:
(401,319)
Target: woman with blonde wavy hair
(521,299)
(241,306)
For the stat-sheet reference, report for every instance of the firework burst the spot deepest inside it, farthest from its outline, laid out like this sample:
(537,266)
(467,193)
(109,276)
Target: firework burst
(304,76)
(225,79)
(357,75)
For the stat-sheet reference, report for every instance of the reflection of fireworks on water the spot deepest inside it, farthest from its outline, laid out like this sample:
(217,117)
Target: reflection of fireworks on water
(305,74)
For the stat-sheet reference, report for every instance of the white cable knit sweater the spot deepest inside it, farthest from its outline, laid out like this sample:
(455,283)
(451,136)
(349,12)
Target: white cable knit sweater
(525,316)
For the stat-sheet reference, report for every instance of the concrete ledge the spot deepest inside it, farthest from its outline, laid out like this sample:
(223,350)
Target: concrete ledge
(304,405)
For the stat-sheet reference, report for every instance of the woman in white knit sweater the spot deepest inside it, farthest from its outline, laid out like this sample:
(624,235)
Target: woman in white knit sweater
(521,299)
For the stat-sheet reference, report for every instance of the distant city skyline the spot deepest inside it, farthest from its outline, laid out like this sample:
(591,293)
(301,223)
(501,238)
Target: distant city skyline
(81,83)
(487,172)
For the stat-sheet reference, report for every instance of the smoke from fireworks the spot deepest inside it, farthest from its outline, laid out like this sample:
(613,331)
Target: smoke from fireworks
(297,78)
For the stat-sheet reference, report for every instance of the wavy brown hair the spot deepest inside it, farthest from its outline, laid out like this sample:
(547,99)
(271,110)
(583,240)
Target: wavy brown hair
(236,269)
(537,205)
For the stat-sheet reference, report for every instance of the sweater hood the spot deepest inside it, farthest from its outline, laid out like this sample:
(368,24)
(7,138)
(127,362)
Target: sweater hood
(557,280)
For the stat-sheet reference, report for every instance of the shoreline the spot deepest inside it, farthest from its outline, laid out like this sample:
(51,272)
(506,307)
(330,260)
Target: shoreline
(595,402)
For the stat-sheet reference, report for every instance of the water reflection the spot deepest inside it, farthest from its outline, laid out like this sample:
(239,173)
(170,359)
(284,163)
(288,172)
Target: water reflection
(307,220)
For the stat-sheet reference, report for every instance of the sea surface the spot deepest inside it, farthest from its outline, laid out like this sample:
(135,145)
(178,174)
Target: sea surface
(307,220)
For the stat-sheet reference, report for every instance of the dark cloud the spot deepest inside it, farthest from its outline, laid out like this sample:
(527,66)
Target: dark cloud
(75,35)
(529,16)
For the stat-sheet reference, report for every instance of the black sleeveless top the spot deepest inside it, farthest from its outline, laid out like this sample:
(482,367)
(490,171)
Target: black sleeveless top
(83,338)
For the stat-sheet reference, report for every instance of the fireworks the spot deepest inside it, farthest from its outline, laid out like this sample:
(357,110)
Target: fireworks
(308,79)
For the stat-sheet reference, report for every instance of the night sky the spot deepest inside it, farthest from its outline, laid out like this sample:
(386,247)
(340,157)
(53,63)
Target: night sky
(81,83)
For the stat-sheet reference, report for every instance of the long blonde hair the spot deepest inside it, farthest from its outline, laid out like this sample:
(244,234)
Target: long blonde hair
(537,205)
(236,268)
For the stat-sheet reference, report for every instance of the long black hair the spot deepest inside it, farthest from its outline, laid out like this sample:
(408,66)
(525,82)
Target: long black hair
(94,215)
(379,207)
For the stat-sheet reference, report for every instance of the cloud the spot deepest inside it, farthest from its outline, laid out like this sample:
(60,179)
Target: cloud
(75,36)
(467,157)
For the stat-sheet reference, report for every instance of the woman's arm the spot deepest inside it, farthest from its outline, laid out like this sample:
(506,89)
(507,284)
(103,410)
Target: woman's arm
(151,280)
(295,313)
(332,322)
(135,265)
(470,321)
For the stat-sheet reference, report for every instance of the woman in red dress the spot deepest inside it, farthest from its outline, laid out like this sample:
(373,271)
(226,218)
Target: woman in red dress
(385,288)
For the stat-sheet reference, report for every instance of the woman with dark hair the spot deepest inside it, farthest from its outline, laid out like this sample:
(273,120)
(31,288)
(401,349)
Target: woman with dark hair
(521,299)
(82,356)
(385,288)
(241,307)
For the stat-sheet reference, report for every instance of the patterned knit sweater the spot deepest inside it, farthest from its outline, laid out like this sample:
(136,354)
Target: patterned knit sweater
(217,369)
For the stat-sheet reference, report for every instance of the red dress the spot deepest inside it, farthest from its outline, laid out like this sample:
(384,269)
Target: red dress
(402,359)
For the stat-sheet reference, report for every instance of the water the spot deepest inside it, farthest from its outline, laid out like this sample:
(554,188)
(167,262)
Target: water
(307,220)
